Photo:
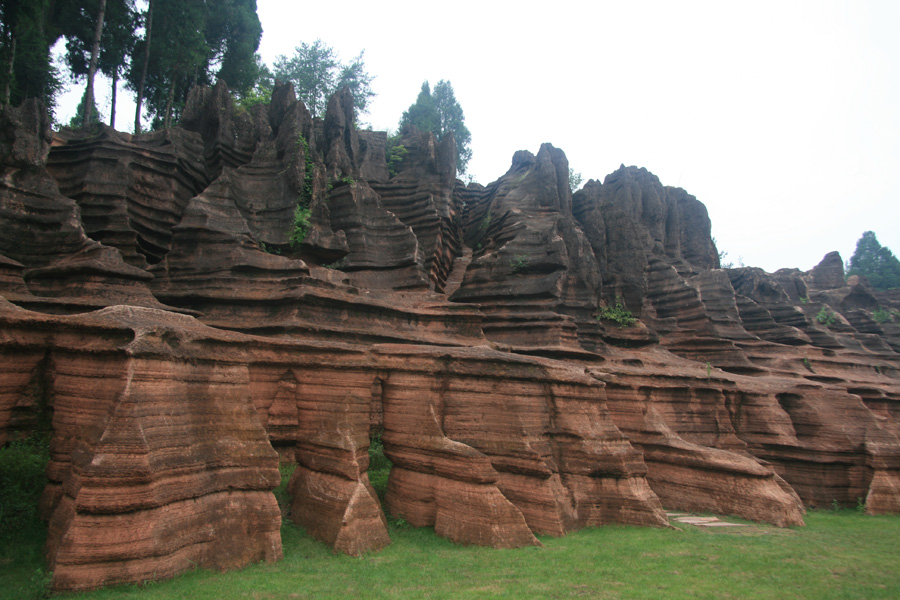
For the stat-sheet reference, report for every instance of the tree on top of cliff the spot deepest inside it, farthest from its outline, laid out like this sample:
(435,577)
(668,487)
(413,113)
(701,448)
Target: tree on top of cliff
(188,43)
(317,73)
(116,44)
(440,113)
(875,262)
(28,28)
(78,118)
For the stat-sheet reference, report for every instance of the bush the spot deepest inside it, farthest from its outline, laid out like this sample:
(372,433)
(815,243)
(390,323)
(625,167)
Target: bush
(881,316)
(825,318)
(379,466)
(396,153)
(23,466)
(519,264)
(301,225)
(617,314)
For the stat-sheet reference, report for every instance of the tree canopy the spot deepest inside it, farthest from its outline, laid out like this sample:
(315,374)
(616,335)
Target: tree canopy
(161,48)
(440,113)
(187,43)
(316,72)
(28,28)
(117,41)
(875,262)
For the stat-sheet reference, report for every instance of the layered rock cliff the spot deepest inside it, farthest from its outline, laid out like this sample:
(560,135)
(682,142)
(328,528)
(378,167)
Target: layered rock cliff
(157,312)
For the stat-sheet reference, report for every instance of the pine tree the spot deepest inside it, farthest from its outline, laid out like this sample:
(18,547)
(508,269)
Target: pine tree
(28,28)
(440,113)
(190,42)
(316,72)
(78,118)
(875,262)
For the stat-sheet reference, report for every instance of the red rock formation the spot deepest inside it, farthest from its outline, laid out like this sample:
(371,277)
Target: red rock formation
(458,320)
(159,462)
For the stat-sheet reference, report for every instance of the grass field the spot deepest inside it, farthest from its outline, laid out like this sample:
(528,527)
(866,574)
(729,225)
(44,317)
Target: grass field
(839,554)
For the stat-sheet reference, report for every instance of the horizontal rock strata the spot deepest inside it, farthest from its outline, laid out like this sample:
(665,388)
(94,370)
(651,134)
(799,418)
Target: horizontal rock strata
(185,309)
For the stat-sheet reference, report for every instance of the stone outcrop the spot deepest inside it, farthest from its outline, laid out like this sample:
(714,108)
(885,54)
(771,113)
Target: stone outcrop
(161,311)
(144,479)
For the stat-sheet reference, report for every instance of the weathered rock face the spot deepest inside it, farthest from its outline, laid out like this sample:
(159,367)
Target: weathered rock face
(158,458)
(156,312)
(532,271)
(632,217)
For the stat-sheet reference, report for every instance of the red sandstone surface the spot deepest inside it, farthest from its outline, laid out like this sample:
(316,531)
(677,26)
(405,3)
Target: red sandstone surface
(155,313)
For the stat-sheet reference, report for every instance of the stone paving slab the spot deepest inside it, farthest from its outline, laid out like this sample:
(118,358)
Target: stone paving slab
(702,521)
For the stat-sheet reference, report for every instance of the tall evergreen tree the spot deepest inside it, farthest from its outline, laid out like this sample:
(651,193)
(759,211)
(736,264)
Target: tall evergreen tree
(95,55)
(190,42)
(423,113)
(233,33)
(876,262)
(78,119)
(316,72)
(138,74)
(28,28)
(119,38)
(440,113)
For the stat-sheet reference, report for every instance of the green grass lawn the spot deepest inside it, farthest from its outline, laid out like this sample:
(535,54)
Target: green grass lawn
(839,554)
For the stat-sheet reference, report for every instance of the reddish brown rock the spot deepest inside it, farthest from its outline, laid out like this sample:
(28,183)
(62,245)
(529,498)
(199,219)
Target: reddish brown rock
(159,463)
(509,411)
(494,442)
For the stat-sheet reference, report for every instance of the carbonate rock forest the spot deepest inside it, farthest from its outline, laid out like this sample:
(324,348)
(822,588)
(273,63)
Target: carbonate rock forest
(158,320)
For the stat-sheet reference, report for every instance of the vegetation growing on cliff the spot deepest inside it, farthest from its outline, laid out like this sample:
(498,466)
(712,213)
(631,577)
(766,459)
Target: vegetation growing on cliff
(875,262)
(317,72)
(161,47)
(440,113)
(617,314)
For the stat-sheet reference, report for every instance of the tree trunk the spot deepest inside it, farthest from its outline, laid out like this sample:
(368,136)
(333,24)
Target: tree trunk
(140,92)
(112,110)
(10,70)
(170,98)
(95,54)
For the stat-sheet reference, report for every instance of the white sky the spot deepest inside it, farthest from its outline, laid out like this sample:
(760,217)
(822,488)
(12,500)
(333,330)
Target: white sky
(782,117)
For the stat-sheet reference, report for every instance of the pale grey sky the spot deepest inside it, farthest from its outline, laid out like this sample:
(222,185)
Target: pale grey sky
(782,117)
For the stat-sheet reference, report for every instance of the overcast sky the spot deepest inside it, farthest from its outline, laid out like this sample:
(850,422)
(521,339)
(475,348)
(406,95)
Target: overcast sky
(782,117)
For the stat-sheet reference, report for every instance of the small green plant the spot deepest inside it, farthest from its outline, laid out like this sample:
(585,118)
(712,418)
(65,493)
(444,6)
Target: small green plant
(379,465)
(396,154)
(575,179)
(880,315)
(255,96)
(807,365)
(269,249)
(617,314)
(860,504)
(825,317)
(301,225)
(708,369)
(486,221)
(306,193)
(397,522)
(519,264)
(835,505)
(41,581)
(338,264)
(804,300)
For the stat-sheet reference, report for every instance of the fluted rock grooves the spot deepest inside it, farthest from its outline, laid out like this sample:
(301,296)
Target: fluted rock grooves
(156,312)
